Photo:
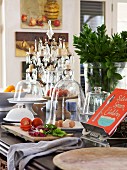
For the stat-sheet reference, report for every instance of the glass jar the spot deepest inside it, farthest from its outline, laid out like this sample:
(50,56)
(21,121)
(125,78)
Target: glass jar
(95,76)
(108,77)
(93,101)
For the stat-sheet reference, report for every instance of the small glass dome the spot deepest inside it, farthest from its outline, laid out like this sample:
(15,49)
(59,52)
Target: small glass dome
(67,99)
(28,90)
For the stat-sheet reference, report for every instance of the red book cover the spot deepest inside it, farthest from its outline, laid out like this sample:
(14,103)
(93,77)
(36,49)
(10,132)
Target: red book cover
(109,115)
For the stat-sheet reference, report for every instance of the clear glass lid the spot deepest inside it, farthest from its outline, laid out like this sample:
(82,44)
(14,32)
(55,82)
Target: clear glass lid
(67,99)
(28,90)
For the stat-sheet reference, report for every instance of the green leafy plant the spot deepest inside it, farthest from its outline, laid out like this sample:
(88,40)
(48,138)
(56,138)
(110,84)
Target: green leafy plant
(97,47)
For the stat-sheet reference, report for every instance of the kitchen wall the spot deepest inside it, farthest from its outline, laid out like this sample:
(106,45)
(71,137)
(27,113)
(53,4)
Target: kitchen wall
(0,43)
(11,65)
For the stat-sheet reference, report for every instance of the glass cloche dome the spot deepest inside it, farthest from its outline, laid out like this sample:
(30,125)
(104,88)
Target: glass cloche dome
(67,99)
(27,92)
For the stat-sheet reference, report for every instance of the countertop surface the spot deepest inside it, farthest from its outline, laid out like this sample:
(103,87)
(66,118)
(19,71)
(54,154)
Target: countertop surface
(39,163)
(45,162)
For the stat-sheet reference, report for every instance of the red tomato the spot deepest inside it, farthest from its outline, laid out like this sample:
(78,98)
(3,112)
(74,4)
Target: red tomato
(26,121)
(65,93)
(37,122)
(60,93)
(26,124)
(49,92)
(26,127)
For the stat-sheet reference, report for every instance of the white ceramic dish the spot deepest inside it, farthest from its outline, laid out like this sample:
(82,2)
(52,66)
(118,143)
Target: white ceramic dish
(15,115)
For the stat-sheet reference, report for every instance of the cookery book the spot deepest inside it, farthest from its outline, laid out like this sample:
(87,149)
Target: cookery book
(109,115)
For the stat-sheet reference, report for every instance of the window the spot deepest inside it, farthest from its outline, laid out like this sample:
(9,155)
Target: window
(91,13)
(120,16)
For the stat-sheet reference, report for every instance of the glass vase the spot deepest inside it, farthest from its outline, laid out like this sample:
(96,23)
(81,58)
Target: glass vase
(96,75)
(122,70)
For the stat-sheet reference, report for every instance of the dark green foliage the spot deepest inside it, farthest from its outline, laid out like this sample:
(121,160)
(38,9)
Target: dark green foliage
(93,47)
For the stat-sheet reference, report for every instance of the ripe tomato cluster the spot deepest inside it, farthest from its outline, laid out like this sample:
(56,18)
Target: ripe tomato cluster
(58,92)
(26,123)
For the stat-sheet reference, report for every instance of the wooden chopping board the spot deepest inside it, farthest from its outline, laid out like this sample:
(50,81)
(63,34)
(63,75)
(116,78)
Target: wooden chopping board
(17,131)
(100,158)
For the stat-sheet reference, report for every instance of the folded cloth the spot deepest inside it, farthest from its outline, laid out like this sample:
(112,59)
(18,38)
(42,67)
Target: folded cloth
(20,154)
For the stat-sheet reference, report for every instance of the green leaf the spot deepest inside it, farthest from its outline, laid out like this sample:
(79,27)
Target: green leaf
(58,132)
(109,73)
(118,76)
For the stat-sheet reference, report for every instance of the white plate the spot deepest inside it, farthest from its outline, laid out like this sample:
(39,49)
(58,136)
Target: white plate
(27,100)
(78,126)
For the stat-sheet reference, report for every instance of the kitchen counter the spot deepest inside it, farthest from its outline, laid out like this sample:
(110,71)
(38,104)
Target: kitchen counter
(40,163)
(45,162)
